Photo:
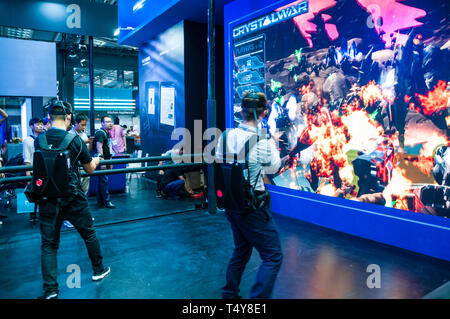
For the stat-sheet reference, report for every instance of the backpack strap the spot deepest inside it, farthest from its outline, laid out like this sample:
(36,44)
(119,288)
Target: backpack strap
(245,149)
(66,141)
(42,141)
(104,132)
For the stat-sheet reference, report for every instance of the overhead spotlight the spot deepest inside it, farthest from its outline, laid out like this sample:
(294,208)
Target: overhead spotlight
(117,31)
(138,5)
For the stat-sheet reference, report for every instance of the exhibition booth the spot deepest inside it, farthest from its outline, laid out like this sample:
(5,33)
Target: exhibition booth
(357,93)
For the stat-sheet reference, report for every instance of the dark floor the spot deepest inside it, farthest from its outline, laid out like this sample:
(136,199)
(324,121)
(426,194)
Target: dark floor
(158,254)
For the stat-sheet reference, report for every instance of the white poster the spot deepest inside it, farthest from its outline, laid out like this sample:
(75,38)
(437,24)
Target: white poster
(151,101)
(168,106)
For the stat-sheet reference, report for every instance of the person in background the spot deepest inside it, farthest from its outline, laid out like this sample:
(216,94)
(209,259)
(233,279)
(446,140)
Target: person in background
(103,146)
(3,118)
(78,129)
(172,183)
(132,132)
(118,141)
(47,124)
(37,126)
(3,160)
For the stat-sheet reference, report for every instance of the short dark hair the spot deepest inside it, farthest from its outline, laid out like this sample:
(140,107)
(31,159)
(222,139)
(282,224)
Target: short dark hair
(35,120)
(57,113)
(103,118)
(116,121)
(80,117)
(253,102)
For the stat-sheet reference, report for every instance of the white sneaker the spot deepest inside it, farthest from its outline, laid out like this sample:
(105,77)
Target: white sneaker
(97,277)
(67,224)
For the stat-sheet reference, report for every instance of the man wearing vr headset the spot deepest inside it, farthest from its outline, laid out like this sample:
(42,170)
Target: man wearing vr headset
(75,209)
(256,228)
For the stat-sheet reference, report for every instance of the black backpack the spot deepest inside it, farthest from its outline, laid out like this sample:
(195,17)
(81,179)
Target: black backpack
(52,170)
(232,180)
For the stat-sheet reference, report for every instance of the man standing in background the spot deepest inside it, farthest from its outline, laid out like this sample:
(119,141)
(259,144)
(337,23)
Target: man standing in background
(3,118)
(78,129)
(3,155)
(103,147)
(118,138)
(37,126)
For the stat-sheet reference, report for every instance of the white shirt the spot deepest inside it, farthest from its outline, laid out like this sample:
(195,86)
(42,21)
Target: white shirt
(83,135)
(28,149)
(264,158)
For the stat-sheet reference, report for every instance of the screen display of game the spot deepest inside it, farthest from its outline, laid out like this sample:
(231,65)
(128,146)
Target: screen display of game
(358,96)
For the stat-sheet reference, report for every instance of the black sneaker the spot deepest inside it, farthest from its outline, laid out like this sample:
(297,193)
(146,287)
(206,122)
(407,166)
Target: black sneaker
(103,274)
(49,296)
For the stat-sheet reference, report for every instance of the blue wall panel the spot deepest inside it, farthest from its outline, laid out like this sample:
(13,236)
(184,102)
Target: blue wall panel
(425,234)
(27,68)
(161,62)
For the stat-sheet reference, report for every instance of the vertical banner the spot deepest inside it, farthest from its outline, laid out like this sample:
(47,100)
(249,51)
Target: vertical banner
(151,101)
(167,115)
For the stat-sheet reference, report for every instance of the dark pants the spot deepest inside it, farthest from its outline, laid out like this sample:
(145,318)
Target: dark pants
(102,190)
(79,215)
(256,229)
(173,188)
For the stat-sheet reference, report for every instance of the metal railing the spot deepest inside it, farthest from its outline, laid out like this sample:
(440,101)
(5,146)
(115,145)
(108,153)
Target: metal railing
(25,168)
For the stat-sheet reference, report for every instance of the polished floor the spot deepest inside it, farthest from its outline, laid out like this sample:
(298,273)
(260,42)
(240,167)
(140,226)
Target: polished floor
(160,248)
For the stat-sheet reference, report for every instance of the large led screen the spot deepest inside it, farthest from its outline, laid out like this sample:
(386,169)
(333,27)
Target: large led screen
(358,93)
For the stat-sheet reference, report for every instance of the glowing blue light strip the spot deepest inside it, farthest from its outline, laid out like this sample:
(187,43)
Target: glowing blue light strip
(119,100)
(105,107)
(105,103)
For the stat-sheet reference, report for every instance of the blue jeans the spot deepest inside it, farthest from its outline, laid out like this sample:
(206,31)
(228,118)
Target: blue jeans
(78,214)
(102,190)
(173,188)
(256,229)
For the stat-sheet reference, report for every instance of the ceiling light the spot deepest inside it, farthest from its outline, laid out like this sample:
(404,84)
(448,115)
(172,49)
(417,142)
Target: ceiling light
(138,5)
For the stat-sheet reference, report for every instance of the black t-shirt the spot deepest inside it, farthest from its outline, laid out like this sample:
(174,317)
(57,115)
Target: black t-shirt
(77,148)
(170,175)
(103,137)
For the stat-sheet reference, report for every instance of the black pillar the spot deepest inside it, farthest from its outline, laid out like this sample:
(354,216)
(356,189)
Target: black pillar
(211,104)
(91,86)
(121,78)
(37,107)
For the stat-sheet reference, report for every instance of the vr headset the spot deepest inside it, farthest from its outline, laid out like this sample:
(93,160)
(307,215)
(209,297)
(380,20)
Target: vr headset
(65,106)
